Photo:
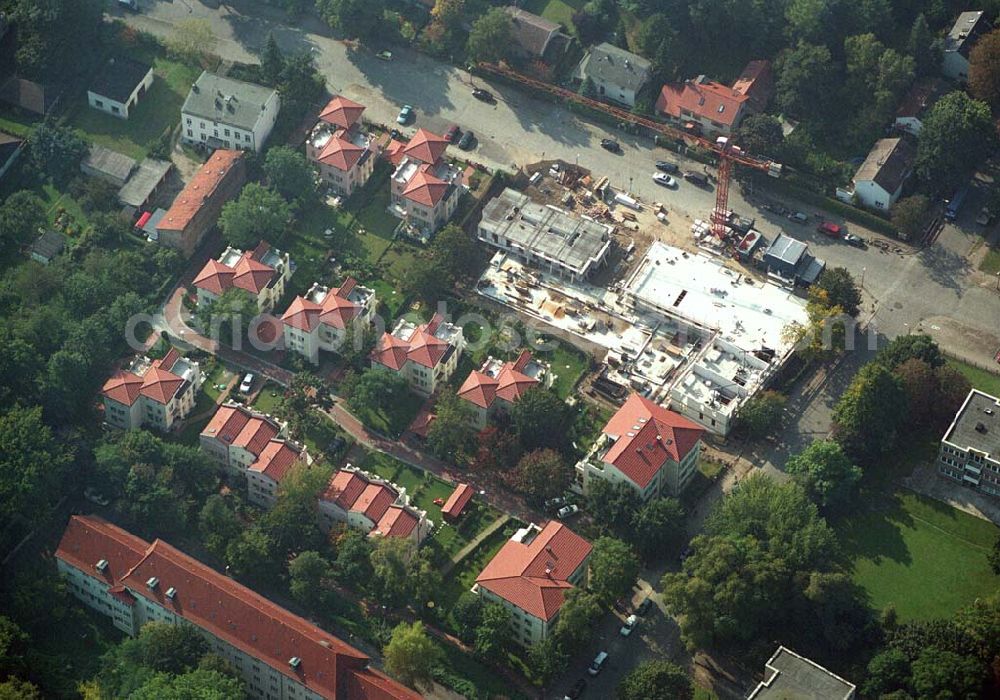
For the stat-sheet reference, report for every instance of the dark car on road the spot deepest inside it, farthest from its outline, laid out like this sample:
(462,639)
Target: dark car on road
(484,95)
(644,606)
(576,691)
(667,167)
(696,178)
(611,145)
(467,141)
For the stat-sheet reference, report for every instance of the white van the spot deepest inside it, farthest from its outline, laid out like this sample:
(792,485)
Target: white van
(598,663)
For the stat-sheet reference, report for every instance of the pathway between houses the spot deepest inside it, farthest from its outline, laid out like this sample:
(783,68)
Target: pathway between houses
(472,545)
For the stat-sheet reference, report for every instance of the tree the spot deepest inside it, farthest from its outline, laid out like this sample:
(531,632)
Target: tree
(613,506)
(228,318)
(658,528)
(657,41)
(870,414)
(937,673)
(922,46)
(308,573)
(245,555)
(547,659)
(761,135)
(541,474)
(14,644)
(493,634)
(426,281)
(218,525)
(272,62)
(297,403)
(805,80)
(390,560)
(468,613)
(984,69)
(933,395)
(909,346)
(165,648)
(449,14)
(411,655)
(761,415)
(656,680)
(22,214)
(839,608)
(614,568)
(33,464)
(258,214)
(55,152)
(994,557)
(841,289)
(291,524)
(289,173)
(808,19)
(55,38)
(956,134)
(192,40)
(199,684)
(450,435)
(359,19)
(353,564)
(455,253)
(825,472)
(489,39)
(579,614)
(540,418)
(889,670)
(909,215)
(376,390)
(16,689)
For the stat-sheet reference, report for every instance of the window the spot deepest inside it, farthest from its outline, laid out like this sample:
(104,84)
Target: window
(202,124)
(227,132)
(190,133)
(189,120)
(115,110)
(99,103)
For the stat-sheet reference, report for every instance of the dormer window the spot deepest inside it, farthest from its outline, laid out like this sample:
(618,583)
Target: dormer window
(295,662)
(152,583)
(171,592)
(102,565)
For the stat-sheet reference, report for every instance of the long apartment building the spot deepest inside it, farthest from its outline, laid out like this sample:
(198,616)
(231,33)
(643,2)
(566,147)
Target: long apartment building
(320,320)
(545,236)
(531,575)
(279,655)
(970,449)
(262,273)
(371,505)
(343,152)
(653,450)
(254,445)
(496,386)
(152,393)
(426,355)
(425,186)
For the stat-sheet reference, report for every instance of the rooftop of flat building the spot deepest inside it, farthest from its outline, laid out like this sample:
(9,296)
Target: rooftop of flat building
(977,424)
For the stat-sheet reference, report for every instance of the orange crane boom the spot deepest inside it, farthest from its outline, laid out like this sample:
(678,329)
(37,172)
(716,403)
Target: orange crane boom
(726,152)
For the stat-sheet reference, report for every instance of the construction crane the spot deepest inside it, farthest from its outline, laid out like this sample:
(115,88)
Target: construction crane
(727,152)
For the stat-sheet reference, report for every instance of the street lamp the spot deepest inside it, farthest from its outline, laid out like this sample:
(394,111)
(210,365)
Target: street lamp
(863,270)
(998,281)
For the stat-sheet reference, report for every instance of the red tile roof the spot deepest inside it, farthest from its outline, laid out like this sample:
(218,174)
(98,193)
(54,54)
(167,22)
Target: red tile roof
(215,277)
(394,151)
(708,100)
(252,275)
(421,425)
(534,576)
(354,492)
(646,437)
(479,388)
(160,385)
(426,146)
(344,488)
(337,309)
(249,273)
(396,522)
(374,501)
(457,501)
(424,188)
(509,385)
(391,351)
(756,82)
(341,112)
(340,154)
(237,425)
(122,387)
(426,349)
(201,188)
(276,459)
(423,347)
(227,610)
(302,314)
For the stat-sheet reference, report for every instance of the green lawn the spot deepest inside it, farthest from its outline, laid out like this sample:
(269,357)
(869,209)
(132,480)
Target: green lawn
(920,555)
(979,378)
(269,399)
(397,419)
(464,575)
(370,208)
(568,364)
(17,121)
(991,262)
(157,111)
(218,376)
(560,11)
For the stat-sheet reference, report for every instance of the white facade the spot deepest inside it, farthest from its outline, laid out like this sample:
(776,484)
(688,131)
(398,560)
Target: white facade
(870,194)
(132,403)
(224,113)
(118,108)
(670,480)
(307,339)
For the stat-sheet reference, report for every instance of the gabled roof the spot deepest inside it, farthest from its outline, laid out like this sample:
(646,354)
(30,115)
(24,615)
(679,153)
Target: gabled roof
(89,539)
(227,101)
(534,576)
(647,436)
(756,82)
(234,424)
(122,387)
(200,190)
(609,64)
(709,100)
(457,501)
(396,522)
(426,146)
(119,78)
(424,188)
(888,164)
(340,154)
(341,112)
(276,459)
(530,32)
(353,491)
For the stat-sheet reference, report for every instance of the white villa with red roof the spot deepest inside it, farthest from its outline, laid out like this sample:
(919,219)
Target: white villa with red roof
(152,393)
(261,272)
(255,445)
(278,654)
(344,153)
(320,319)
(425,355)
(531,574)
(372,505)
(650,448)
(497,385)
(425,187)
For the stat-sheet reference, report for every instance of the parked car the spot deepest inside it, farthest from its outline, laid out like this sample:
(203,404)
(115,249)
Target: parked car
(611,145)
(247,383)
(696,178)
(667,167)
(451,133)
(94,496)
(405,114)
(856,241)
(567,511)
(132,5)
(664,179)
(644,606)
(798,217)
(598,663)
(384,55)
(828,228)
(577,690)
(556,502)
(484,95)
(629,625)
(985,217)
(466,141)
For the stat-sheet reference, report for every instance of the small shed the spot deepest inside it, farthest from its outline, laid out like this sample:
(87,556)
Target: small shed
(457,501)
(108,165)
(144,183)
(47,247)
(119,86)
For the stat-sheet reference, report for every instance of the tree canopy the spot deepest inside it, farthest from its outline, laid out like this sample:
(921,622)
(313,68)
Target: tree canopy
(614,568)
(957,133)
(289,173)
(259,214)
(869,416)
(541,474)
(656,680)
(825,472)
(411,655)
(489,39)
